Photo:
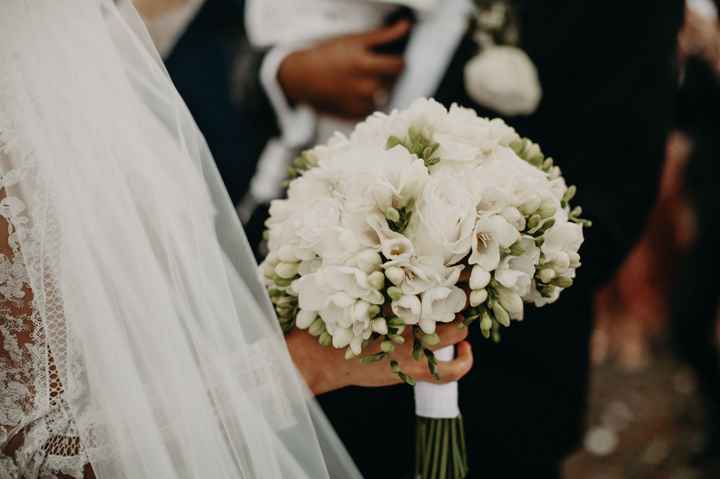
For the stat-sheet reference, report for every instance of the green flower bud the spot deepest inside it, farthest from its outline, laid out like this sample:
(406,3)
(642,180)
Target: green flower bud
(395,293)
(534,221)
(282,282)
(379,326)
(349,354)
(547,225)
(486,324)
(562,282)
(501,315)
(395,322)
(387,347)
(392,142)
(287,270)
(547,209)
(376,280)
(317,327)
(305,319)
(546,275)
(478,297)
(268,269)
(373,310)
(325,339)
(516,249)
(395,275)
(392,215)
(430,340)
(530,206)
(569,194)
(397,339)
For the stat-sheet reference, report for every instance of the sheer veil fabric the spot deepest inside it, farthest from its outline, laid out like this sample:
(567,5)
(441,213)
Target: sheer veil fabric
(165,345)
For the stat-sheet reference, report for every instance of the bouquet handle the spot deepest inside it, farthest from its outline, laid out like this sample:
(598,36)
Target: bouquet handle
(440,435)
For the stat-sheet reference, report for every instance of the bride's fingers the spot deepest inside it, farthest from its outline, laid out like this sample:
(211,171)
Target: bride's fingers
(457,368)
(449,334)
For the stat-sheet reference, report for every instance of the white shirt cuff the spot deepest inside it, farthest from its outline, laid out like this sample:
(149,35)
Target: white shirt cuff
(296,124)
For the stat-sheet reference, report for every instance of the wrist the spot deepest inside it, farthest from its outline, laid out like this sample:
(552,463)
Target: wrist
(310,360)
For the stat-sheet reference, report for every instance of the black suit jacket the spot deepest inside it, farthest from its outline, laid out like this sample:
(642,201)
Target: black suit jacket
(608,78)
(217,74)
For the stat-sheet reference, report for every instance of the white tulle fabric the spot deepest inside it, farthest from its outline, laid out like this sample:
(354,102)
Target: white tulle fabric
(137,341)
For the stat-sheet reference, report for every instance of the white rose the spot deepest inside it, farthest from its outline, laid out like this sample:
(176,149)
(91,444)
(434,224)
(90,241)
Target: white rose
(464,128)
(491,234)
(505,79)
(370,176)
(443,221)
(312,228)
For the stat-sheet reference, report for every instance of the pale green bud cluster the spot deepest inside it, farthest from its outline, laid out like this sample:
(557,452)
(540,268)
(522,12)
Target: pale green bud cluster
(304,162)
(418,143)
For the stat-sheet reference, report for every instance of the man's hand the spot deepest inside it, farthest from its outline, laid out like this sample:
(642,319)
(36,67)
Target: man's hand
(344,76)
(326,369)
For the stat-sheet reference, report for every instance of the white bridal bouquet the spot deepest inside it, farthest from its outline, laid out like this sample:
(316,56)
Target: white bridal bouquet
(418,217)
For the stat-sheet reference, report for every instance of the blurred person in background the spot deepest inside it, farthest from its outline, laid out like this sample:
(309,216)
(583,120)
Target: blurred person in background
(205,49)
(667,281)
(608,77)
(696,296)
(218,73)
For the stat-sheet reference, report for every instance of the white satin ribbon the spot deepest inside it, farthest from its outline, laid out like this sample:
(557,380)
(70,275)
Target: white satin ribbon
(438,401)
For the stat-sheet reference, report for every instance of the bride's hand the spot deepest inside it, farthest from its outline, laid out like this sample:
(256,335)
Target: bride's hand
(326,369)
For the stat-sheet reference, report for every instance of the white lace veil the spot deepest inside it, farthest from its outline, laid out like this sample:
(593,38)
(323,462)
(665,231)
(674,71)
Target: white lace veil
(164,343)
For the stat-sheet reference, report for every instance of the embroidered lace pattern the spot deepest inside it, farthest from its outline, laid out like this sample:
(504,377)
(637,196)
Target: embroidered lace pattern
(38,435)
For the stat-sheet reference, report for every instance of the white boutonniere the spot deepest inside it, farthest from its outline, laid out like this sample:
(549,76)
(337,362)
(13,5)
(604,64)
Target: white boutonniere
(501,76)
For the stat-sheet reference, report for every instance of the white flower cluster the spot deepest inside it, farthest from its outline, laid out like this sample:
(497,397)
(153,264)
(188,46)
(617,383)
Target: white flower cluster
(418,216)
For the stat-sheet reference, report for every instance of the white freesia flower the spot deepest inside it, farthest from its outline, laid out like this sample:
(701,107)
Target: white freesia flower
(516,272)
(316,289)
(562,241)
(444,218)
(441,304)
(538,299)
(408,308)
(492,233)
(511,302)
(418,274)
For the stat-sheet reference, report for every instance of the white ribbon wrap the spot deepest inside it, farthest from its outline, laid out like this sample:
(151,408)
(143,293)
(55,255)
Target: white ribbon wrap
(438,401)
